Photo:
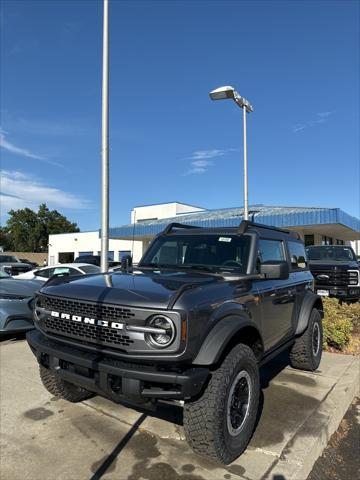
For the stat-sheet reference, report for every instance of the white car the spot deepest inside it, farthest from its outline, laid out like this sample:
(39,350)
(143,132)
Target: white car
(44,273)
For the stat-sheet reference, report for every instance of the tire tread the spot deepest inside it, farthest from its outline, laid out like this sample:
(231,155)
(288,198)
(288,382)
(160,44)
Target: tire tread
(62,389)
(203,416)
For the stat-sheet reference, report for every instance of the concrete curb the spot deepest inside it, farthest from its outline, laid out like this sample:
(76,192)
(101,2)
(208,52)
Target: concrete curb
(302,451)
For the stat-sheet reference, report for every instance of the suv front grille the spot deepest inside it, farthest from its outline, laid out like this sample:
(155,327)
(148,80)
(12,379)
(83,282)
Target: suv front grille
(85,331)
(89,333)
(336,278)
(13,270)
(84,309)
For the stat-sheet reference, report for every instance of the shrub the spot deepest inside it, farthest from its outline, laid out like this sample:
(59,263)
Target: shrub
(339,322)
(353,310)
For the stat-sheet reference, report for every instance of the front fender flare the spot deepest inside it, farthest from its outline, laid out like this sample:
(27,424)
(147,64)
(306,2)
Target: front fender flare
(219,336)
(310,301)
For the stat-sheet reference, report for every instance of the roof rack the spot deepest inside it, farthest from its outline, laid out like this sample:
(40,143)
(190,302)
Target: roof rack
(246,223)
(169,227)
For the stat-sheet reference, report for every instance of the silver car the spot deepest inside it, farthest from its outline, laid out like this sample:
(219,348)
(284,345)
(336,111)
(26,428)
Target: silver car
(16,304)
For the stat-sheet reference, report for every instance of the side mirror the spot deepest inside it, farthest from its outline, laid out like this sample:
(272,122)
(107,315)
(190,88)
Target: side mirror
(275,270)
(126,262)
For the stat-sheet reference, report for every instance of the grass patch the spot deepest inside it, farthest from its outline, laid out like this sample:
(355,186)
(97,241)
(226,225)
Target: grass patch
(341,326)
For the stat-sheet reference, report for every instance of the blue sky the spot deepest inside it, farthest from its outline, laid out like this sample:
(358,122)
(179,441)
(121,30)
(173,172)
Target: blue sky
(297,63)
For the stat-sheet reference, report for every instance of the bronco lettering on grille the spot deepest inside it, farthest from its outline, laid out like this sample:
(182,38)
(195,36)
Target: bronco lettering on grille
(91,321)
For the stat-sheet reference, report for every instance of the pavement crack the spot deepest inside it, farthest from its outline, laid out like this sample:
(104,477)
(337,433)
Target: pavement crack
(102,412)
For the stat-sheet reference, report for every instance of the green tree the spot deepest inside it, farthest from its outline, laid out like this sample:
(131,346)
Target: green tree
(28,231)
(5,242)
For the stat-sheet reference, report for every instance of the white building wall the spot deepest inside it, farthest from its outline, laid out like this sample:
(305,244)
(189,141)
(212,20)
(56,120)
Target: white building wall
(164,210)
(88,242)
(356,246)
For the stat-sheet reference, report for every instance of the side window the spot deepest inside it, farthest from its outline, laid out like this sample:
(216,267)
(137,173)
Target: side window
(44,272)
(73,271)
(270,250)
(297,255)
(59,270)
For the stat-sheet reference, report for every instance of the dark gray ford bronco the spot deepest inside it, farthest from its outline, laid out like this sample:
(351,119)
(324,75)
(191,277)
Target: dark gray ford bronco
(194,321)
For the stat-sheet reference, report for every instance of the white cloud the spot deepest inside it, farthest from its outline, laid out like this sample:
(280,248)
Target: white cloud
(325,114)
(322,117)
(20,190)
(200,159)
(201,163)
(23,152)
(200,154)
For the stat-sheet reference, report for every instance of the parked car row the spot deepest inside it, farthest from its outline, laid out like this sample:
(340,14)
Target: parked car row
(17,292)
(44,273)
(95,260)
(335,269)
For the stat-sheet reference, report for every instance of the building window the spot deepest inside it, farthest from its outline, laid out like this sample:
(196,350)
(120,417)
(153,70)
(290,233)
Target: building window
(297,255)
(309,240)
(66,257)
(123,253)
(326,240)
(110,255)
(81,254)
(339,242)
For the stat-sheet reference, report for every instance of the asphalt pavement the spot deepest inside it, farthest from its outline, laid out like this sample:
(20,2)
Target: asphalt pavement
(44,438)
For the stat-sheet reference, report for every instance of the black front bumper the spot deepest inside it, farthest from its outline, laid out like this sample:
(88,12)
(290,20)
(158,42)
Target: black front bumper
(117,380)
(343,293)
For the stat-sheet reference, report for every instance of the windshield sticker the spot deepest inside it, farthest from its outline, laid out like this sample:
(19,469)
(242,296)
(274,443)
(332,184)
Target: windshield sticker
(225,239)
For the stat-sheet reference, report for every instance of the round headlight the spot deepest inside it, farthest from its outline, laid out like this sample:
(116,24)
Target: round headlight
(165,334)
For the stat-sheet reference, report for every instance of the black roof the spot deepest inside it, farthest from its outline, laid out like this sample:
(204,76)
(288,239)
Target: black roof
(244,226)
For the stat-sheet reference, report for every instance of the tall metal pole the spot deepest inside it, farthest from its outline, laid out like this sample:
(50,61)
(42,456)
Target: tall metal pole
(105,144)
(246,206)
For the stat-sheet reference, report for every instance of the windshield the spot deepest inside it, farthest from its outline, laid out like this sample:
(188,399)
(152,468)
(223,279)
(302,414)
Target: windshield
(330,253)
(8,258)
(201,252)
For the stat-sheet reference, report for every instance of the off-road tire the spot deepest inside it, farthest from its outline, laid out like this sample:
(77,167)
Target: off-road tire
(62,389)
(205,417)
(302,355)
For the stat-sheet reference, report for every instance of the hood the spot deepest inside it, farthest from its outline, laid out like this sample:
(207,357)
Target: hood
(14,264)
(27,288)
(137,289)
(335,265)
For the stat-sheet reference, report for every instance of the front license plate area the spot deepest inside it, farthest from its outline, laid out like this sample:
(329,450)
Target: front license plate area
(323,293)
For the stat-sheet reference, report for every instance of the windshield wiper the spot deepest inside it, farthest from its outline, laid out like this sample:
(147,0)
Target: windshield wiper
(198,267)
(166,266)
(155,266)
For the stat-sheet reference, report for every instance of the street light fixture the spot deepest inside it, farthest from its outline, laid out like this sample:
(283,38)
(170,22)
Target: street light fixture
(225,93)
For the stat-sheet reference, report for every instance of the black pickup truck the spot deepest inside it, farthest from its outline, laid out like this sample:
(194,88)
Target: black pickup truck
(336,271)
(194,321)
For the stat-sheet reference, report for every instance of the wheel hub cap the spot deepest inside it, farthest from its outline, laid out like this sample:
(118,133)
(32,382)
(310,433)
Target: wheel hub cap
(238,403)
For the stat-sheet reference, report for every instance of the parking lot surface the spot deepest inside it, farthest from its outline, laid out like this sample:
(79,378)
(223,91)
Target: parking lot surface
(46,438)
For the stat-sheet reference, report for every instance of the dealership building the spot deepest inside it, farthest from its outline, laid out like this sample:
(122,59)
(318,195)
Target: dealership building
(316,226)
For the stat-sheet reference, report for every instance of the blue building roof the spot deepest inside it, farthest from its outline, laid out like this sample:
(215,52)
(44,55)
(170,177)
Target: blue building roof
(231,217)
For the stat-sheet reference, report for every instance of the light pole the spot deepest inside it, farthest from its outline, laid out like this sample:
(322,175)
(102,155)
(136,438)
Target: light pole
(105,144)
(224,93)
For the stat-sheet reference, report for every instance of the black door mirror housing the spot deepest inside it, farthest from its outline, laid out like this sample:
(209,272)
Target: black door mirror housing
(275,270)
